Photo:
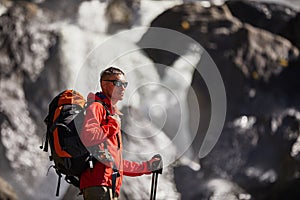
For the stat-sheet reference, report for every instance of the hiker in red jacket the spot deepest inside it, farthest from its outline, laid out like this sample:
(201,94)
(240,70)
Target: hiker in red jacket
(101,133)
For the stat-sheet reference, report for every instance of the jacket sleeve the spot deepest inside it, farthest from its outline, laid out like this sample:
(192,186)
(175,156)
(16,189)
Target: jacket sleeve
(135,169)
(93,130)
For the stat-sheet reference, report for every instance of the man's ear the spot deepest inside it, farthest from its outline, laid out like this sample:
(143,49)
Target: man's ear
(103,86)
(101,83)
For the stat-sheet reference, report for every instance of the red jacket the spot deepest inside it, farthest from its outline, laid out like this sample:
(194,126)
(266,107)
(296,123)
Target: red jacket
(95,130)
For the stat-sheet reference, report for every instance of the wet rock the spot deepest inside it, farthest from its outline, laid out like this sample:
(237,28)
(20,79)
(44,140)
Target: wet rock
(25,40)
(25,43)
(269,16)
(121,14)
(257,62)
(275,18)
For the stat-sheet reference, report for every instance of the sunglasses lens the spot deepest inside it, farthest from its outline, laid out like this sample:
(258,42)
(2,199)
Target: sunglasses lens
(120,83)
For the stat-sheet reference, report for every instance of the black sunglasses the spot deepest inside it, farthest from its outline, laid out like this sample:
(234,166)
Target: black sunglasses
(118,83)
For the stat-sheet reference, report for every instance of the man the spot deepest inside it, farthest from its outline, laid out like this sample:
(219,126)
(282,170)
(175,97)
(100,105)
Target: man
(102,131)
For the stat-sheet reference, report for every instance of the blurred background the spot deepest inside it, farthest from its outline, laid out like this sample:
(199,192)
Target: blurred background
(49,46)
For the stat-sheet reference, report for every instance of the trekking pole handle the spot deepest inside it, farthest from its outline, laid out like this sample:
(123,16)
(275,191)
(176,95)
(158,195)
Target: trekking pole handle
(158,165)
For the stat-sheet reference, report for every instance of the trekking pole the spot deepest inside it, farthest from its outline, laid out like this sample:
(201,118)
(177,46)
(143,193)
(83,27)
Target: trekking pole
(154,185)
(155,178)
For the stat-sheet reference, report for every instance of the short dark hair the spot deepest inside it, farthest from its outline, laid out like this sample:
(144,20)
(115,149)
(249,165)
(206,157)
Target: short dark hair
(110,72)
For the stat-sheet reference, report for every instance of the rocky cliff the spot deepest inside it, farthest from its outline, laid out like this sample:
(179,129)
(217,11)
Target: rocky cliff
(254,46)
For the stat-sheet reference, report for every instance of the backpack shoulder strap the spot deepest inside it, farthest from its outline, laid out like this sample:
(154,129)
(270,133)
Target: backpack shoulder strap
(107,114)
(105,106)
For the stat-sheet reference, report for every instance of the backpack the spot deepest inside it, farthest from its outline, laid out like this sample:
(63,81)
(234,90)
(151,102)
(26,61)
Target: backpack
(64,122)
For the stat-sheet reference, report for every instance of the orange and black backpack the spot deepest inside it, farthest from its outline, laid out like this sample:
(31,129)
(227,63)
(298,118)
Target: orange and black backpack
(64,121)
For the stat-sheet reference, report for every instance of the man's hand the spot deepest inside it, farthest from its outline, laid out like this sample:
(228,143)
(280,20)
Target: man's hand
(155,164)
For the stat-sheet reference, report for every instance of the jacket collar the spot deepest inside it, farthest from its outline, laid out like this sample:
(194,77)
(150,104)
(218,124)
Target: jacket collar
(102,97)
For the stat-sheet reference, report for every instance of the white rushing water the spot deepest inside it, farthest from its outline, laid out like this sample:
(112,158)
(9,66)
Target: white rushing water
(86,49)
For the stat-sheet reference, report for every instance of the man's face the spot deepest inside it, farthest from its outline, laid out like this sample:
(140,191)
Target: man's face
(115,93)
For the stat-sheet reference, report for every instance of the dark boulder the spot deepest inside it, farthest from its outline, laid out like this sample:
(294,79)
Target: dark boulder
(259,65)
